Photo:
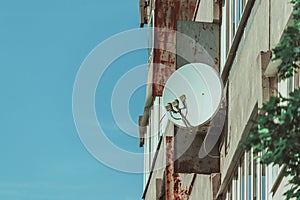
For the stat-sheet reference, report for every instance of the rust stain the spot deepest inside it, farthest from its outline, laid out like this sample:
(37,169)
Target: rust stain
(167,13)
(180,192)
(169,168)
(189,161)
(174,188)
(177,187)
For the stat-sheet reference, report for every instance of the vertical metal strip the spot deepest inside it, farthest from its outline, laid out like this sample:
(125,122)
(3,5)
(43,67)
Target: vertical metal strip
(169,168)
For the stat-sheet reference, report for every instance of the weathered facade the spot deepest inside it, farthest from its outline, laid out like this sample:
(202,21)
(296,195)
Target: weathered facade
(238,36)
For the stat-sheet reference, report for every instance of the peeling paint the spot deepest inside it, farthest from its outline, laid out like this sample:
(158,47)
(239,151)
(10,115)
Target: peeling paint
(167,13)
(169,168)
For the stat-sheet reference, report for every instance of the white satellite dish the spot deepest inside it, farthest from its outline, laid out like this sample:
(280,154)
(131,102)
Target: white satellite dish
(192,95)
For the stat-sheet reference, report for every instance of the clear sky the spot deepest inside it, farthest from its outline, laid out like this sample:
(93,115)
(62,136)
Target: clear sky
(42,45)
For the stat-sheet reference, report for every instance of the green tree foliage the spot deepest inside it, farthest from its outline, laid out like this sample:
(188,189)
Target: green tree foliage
(276,134)
(288,50)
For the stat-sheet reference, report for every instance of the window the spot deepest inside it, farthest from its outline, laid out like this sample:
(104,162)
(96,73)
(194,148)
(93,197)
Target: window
(263,182)
(240,10)
(250,170)
(159,118)
(255,178)
(244,4)
(224,35)
(229,193)
(150,138)
(227,27)
(242,178)
(248,181)
(297,79)
(237,8)
(163,120)
(231,17)
(235,187)
(286,86)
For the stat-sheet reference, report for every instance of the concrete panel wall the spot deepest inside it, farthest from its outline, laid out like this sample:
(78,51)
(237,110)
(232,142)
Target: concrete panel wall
(245,79)
(263,31)
(201,188)
(280,14)
(245,90)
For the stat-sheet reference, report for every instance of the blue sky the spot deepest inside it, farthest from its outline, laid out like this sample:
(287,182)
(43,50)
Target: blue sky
(42,45)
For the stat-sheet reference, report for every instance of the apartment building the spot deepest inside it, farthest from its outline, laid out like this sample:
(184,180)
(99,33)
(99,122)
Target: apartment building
(239,36)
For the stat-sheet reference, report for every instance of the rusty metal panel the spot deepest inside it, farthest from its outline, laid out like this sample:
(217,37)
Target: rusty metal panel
(169,168)
(144,12)
(183,185)
(178,186)
(142,130)
(199,42)
(167,12)
(186,149)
